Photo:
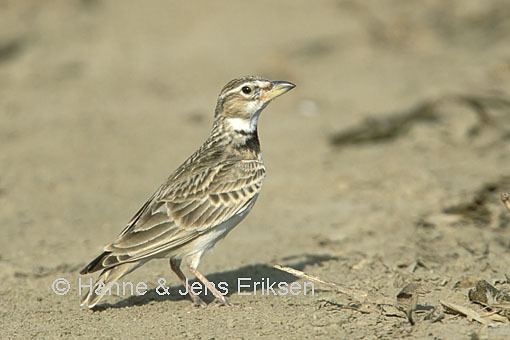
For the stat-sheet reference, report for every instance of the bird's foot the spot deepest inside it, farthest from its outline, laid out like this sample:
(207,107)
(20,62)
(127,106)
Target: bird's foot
(197,301)
(222,301)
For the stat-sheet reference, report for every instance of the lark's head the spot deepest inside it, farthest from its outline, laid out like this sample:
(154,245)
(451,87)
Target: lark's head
(242,100)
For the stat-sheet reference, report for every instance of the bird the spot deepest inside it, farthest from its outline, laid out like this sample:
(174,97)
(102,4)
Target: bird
(202,200)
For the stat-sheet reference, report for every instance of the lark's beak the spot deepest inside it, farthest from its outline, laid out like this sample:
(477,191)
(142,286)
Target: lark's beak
(278,88)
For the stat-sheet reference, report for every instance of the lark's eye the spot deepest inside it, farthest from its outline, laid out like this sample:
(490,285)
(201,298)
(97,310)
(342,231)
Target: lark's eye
(246,89)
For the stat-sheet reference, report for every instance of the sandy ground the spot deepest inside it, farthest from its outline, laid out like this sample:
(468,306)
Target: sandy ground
(385,164)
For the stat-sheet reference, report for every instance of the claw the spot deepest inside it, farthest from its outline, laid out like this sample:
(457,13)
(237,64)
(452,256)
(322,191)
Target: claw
(224,302)
(197,301)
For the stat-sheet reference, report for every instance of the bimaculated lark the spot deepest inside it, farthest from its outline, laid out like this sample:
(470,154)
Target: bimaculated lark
(205,198)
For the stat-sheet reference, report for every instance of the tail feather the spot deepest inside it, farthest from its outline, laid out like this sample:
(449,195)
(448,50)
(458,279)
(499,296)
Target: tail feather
(105,282)
(96,264)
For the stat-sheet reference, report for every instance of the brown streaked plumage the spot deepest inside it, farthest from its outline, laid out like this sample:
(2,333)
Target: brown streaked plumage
(207,196)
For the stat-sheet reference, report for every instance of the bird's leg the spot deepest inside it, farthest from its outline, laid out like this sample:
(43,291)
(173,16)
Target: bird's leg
(209,286)
(175,264)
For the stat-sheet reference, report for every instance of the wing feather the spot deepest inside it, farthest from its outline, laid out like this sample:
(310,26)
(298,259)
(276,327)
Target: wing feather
(187,207)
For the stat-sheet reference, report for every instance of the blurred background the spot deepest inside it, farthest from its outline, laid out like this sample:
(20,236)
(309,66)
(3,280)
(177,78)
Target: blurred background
(385,164)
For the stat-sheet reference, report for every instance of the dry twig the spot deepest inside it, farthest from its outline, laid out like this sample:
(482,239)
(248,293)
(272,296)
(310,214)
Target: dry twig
(353,294)
(505,198)
(464,311)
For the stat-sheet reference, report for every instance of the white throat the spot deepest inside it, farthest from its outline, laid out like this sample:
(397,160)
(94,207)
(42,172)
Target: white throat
(244,125)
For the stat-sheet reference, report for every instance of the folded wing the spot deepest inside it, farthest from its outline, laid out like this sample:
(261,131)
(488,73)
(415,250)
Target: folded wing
(186,208)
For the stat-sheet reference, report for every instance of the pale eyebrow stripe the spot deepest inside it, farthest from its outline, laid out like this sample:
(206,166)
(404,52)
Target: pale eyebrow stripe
(259,83)
(236,89)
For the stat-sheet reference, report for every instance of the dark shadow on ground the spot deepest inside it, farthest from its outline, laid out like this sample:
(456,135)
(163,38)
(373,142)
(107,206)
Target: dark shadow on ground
(255,272)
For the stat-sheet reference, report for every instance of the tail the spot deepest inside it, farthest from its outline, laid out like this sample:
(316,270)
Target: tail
(105,280)
(96,264)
